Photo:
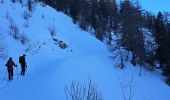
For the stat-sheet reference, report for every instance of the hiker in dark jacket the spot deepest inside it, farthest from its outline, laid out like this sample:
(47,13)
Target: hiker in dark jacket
(23,64)
(10,63)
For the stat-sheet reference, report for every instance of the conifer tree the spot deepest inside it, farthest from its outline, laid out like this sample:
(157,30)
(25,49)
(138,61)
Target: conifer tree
(162,36)
(132,36)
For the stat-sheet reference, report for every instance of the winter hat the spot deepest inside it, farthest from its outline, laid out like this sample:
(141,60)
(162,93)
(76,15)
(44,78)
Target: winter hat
(10,58)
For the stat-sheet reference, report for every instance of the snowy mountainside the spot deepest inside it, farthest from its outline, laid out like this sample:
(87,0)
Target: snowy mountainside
(51,68)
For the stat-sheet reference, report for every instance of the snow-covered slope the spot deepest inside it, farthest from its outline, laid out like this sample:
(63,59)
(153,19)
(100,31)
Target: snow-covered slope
(51,68)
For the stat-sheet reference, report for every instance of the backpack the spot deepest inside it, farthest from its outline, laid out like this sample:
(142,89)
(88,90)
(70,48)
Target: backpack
(9,64)
(20,59)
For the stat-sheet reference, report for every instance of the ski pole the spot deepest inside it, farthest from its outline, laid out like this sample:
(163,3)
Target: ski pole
(26,69)
(5,74)
(17,72)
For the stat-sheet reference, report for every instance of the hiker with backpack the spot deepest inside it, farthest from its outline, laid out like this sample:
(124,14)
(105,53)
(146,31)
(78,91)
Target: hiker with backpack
(10,63)
(23,64)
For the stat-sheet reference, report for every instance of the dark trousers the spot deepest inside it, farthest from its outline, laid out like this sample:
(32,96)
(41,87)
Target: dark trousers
(10,74)
(22,69)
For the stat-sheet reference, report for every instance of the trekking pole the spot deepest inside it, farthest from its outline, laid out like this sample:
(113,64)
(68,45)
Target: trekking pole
(17,72)
(26,70)
(5,74)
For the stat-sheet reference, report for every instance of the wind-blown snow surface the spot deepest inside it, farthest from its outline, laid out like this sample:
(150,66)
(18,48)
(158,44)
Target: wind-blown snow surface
(51,68)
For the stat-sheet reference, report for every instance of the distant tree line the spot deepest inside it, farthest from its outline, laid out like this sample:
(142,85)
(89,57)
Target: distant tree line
(128,20)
